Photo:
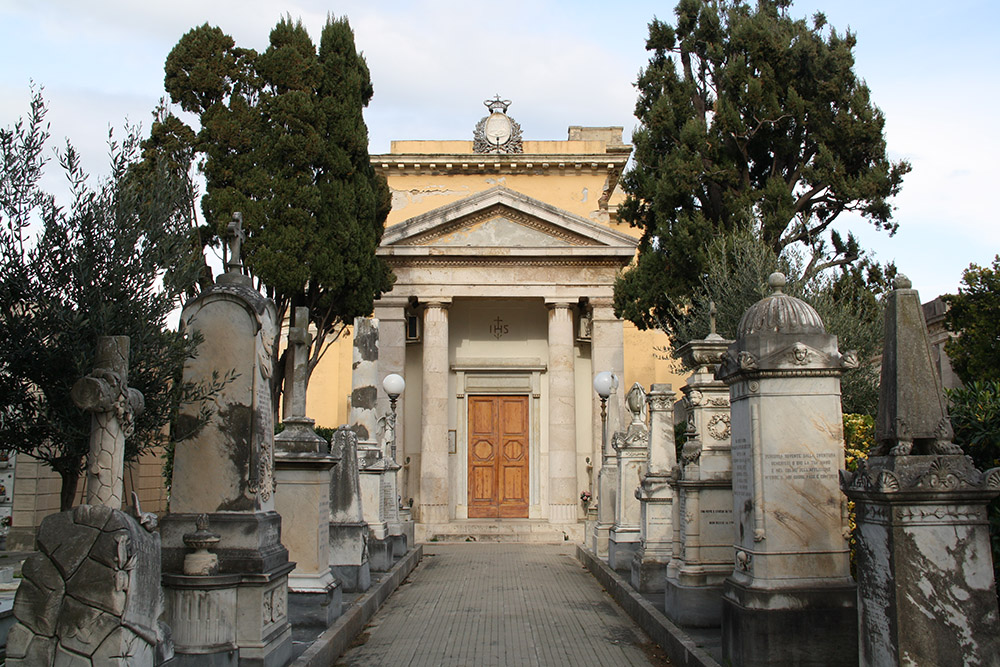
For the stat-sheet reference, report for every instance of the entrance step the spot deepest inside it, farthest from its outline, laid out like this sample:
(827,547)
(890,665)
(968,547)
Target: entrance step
(536,531)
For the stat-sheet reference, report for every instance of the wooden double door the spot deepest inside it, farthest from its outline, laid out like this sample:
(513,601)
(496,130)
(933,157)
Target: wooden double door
(498,457)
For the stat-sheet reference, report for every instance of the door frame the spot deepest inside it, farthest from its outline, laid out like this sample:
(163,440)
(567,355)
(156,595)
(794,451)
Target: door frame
(504,377)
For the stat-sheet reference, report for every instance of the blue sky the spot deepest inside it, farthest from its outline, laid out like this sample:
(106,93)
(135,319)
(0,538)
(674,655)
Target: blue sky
(931,66)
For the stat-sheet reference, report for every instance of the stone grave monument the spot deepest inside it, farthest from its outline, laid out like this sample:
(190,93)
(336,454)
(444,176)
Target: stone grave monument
(703,492)
(656,498)
(237,612)
(348,528)
(91,595)
(925,578)
(303,469)
(372,464)
(632,449)
(607,475)
(790,599)
(399,527)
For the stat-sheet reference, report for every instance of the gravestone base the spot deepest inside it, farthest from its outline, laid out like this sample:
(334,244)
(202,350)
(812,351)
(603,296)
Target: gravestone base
(796,626)
(315,609)
(693,606)
(649,573)
(622,546)
(349,556)
(250,541)
(230,619)
(399,544)
(599,540)
(925,575)
(380,554)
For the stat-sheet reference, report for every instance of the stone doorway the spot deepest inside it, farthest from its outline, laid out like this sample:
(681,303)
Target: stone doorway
(498,457)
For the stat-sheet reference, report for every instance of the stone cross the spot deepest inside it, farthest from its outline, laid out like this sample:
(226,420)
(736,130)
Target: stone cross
(299,340)
(105,393)
(235,236)
(712,312)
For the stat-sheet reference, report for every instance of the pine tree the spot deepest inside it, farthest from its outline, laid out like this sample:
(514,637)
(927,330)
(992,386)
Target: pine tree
(748,117)
(282,139)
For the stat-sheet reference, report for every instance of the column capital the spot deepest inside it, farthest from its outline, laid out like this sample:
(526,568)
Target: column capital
(436,303)
(555,305)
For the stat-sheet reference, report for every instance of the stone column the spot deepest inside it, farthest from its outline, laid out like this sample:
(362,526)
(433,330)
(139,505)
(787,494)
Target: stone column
(655,495)
(926,593)
(434,492)
(632,446)
(703,493)
(392,359)
(303,469)
(791,593)
(607,354)
(562,416)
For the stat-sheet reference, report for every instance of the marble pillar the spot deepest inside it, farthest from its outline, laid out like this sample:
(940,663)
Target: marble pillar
(703,493)
(607,354)
(434,491)
(656,498)
(562,416)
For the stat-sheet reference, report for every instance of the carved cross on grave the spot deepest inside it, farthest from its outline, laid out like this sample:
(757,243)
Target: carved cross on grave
(113,404)
(299,340)
(235,236)
(712,312)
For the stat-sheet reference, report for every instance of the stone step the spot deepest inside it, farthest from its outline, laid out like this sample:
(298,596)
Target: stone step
(493,530)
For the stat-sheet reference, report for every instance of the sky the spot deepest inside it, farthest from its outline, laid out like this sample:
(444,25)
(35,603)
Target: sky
(932,68)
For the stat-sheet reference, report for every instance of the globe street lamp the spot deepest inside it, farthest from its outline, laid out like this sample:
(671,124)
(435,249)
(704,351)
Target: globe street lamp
(394,386)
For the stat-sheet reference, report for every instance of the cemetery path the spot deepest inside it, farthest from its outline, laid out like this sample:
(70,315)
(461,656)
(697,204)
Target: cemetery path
(501,604)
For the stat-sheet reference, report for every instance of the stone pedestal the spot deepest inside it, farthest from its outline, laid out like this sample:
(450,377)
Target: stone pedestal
(348,528)
(632,447)
(302,499)
(227,472)
(703,492)
(926,593)
(656,498)
(791,599)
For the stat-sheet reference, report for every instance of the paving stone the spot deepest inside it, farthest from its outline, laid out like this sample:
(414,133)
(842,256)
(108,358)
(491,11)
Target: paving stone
(500,604)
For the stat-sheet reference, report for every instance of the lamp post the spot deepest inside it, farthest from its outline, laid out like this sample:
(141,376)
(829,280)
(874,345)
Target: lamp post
(603,382)
(394,386)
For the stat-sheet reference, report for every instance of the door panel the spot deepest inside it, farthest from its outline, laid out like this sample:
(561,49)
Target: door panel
(498,456)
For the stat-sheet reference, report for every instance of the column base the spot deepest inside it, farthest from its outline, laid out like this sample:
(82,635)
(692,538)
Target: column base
(693,606)
(380,554)
(815,627)
(649,574)
(621,551)
(315,609)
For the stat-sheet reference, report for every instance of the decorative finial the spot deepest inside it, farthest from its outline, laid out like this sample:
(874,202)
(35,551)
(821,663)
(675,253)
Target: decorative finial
(497,105)
(776,281)
(712,311)
(902,282)
(236,236)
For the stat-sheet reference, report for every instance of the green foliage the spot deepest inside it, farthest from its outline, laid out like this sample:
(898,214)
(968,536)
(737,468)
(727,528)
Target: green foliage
(748,118)
(974,313)
(847,300)
(282,139)
(975,417)
(114,263)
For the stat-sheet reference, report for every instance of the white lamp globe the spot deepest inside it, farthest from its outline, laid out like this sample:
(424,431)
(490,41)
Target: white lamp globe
(602,383)
(393,384)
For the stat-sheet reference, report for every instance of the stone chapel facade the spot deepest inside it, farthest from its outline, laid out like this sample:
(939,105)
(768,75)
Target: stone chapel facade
(505,254)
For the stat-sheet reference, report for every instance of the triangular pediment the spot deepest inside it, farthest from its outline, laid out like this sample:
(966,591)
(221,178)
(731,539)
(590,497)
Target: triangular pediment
(502,218)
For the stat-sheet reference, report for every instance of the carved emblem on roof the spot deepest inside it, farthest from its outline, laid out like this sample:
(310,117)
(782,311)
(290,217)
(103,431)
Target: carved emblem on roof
(498,132)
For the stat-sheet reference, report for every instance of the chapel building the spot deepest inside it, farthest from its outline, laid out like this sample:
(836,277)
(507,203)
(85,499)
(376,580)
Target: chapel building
(505,253)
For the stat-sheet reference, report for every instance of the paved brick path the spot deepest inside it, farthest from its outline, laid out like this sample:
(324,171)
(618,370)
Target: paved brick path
(501,604)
